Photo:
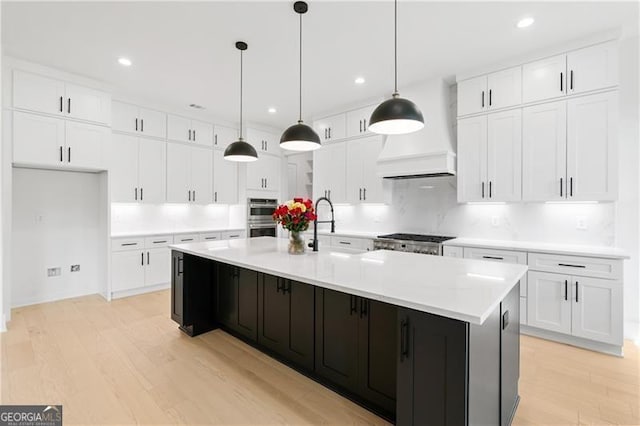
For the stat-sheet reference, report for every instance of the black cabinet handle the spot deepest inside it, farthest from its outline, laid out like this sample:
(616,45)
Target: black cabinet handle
(142,257)
(266,145)
(142,125)
(365,125)
(329,194)
(128,244)
(566,289)
(135,196)
(69,106)
(571,186)
(571,80)
(61,160)
(194,195)
(180,266)
(490,189)
(278,285)
(571,266)
(364,194)
(483,99)
(482,189)
(353,306)
(360,197)
(141,194)
(577,291)
(215,139)
(364,307)
(189,134)
(347,243)
(194,135)
(329,132)
(561,187)
(360,126)
(561,79)
(215,196)
(493,257)
(186,239)
(69,155)
(189,195)
(266,183)
(404,339)
(136,124)
(148,257)
(489,97)
(61,101)
(160,242)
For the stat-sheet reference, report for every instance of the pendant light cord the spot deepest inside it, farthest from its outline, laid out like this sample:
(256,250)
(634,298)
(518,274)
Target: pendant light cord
(395,43)
(241,94)
(300,107)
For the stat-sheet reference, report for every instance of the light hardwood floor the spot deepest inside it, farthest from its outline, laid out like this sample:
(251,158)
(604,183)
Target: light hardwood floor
(125,362)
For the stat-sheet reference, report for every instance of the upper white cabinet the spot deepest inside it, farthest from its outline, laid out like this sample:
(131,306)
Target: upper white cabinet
(224,136)
(263,142)
(183,129)
(138,120)
(489,156)
(329,172)
(50,142)
(331,128)
(37,93)
(358,121)
(225,179)
(362,183)
(544,79)
(189,174)
(497,90)
(137,169)
(264,174)
(593,68)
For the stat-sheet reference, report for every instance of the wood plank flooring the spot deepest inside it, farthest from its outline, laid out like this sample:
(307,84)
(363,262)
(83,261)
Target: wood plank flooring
(125,362)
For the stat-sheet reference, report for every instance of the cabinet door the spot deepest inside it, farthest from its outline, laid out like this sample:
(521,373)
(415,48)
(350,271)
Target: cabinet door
(225,179)
(372,190)
(272,143)
(87,145)
(248,303)
(549,301)
(337,158)
(227,300)
(301,324)
(123,169)
(472,95)
(331,128)
(273,314)
(505,88)
(178,128)
(354,171)
(258,139)
(597,309)
(178,173)
(321,172)
(158,266)
(591,147)
(544,152)
(201,175)
(256,172)
(472,159)
(152,123)
(38,140)
(124,117)
(358,121)
(37,93)
(504,155)
(377,356)
(432,370)
(592,68)
(152,175)
(545,79)
(202,133)
(337,338)
(223,136)
(127,270)
(88,104)
(272,168)
(177,287)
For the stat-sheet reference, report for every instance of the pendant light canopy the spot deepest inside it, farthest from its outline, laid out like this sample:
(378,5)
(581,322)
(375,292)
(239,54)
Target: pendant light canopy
(240,150)
(300,137)
(396,116)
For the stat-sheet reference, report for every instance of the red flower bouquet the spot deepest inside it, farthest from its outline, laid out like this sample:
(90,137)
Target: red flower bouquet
(295,215)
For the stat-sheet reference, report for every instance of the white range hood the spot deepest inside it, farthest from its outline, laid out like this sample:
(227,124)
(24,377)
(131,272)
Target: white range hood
(428,152)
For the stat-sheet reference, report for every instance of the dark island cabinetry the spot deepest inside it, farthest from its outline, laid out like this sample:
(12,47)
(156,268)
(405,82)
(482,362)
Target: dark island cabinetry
(237,299)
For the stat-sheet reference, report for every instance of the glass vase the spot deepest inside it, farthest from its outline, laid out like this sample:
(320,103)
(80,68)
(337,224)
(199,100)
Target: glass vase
(296,243)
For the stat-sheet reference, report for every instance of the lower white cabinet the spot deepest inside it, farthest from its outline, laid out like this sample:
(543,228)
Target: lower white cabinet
(127,270)
(352,243)
(548,302)
(506,256)
(452,251)
(157,267)
(137,263)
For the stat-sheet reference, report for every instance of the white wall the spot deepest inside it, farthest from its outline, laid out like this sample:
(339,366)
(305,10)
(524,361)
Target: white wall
(57,222)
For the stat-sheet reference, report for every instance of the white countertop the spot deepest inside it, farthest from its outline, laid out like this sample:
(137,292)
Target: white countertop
(171,232)
(462,289)
(569,249)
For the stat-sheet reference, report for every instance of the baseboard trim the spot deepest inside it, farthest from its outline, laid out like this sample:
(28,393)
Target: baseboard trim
(139,290)
(54,298)
(579,342)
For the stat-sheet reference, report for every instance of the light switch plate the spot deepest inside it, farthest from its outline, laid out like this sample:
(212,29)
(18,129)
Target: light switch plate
(581,223)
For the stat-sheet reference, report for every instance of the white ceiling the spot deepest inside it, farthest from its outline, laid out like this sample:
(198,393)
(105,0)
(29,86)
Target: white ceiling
(184,53)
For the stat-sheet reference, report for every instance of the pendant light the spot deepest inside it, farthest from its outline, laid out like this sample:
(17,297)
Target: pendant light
(300,137)
(240,150)
(396,116)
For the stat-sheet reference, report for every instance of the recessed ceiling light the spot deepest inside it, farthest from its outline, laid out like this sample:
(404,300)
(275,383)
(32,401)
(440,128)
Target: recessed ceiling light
(360,80)
(125,62)
(272,110)
(525,22)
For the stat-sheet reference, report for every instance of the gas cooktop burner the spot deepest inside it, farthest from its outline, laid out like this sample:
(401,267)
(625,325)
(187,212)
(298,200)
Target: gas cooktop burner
(416,237)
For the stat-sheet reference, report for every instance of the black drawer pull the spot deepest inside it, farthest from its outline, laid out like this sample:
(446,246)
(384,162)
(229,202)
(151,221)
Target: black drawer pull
(354,303)
(159,242)
(187,239)
(129,244)
(493,257)
(234,236)
(568,265)
(566,290)
(347,243)
(404,339)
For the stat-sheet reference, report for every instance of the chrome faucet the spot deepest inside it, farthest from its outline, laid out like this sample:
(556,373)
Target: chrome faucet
(314,244)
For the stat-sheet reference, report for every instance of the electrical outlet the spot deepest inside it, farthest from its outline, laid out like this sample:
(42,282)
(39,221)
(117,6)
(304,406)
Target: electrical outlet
(581,223)
(495,221)
(54,272)
(75,268)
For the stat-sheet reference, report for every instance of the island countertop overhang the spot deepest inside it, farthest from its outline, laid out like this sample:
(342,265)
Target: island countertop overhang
(462,289)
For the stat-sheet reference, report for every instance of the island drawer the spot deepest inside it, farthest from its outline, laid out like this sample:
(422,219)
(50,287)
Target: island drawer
(210,236)
(157,241)
(186,238)
(507,256)
(576,265)
(123,244)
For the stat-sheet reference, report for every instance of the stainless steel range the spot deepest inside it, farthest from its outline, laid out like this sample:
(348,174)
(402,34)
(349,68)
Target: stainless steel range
(413,243)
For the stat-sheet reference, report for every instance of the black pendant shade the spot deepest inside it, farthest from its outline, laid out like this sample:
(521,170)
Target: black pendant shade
(300,137)
(396,116)
(240,150)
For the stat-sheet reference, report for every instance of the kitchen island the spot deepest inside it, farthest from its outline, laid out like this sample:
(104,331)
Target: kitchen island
(417,339)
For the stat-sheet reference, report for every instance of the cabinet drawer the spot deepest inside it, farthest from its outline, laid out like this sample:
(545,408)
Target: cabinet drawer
(231,235)
(122,244)
(157,241)
(352,243)
(451,251)
(493,255)
(576,265)
(210,236)
(186,238)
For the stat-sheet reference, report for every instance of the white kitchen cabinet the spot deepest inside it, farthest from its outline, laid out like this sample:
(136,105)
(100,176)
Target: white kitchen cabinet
(452,251)
(225,179)
(362,182)
(264,174)
(544,79)
(549,301)
(152,171)
(127,270)
(138,263)
(183,129)
(357,123)
(596,312)
(472,155)
(331,128)
(591,147)
(496,90)
(232,235)
(210,236)
(544,152)
(351,243)
(157,266)
(138,120)
(189,174)
(201,168)
(503,256)
(202,132)
(49,141)
(593,68)
(263,142)
(329,172)
(38,93)
(224,136)
(472,95)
